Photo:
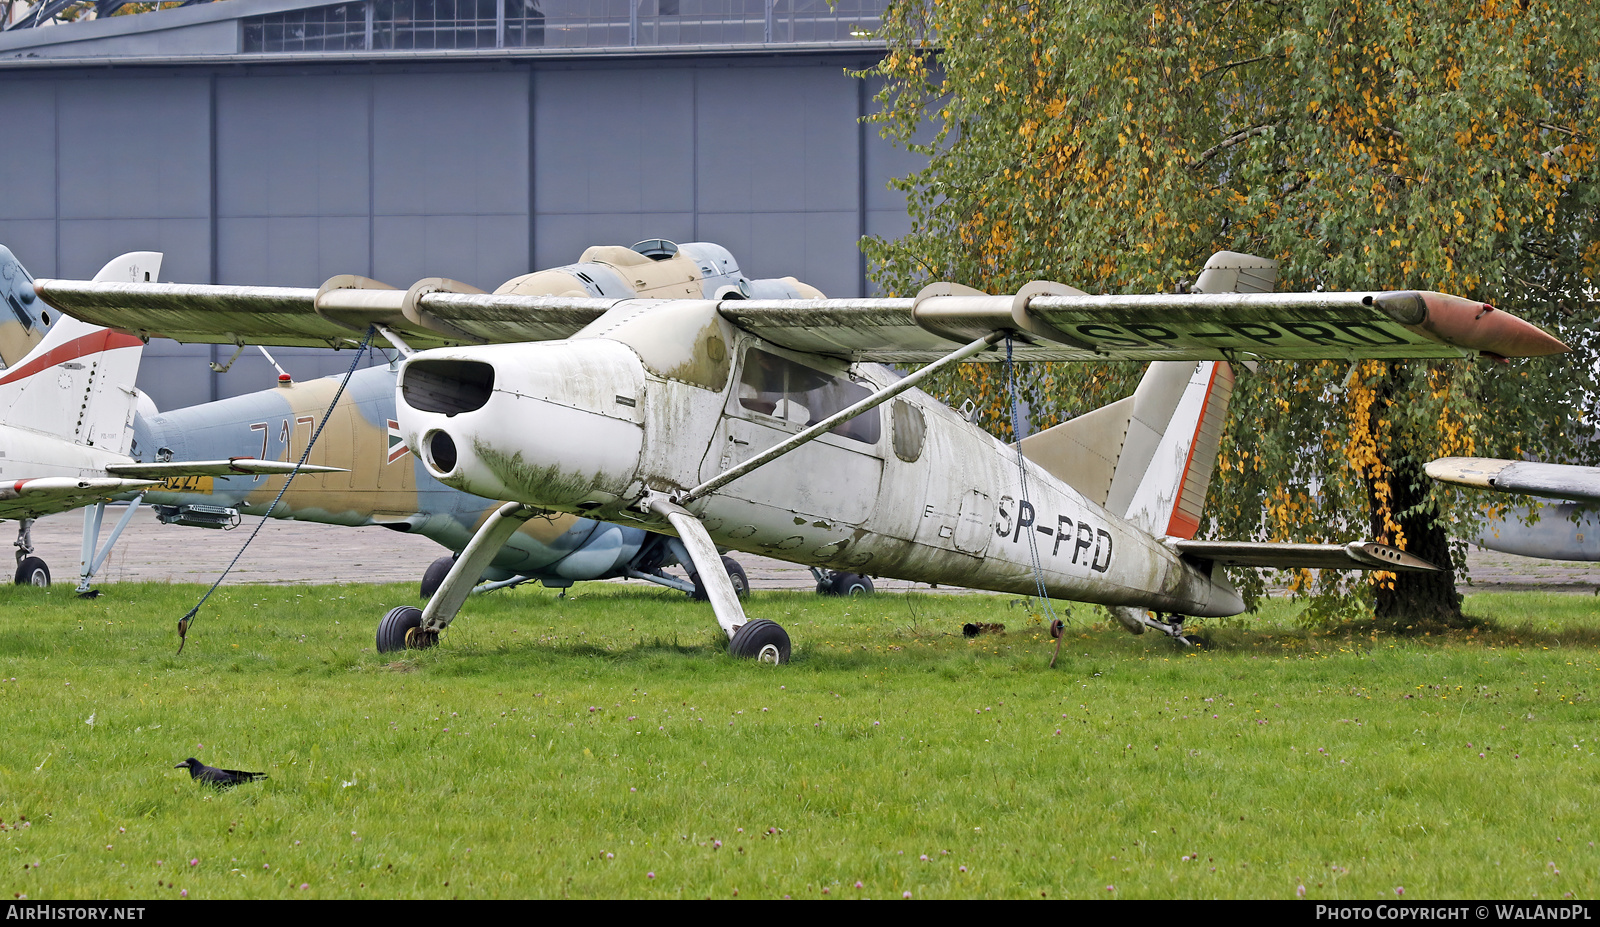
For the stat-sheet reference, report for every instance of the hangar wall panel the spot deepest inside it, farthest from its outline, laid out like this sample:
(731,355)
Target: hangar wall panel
(479,171)
(293,146)
(28,184)
(291,250)
(135,148)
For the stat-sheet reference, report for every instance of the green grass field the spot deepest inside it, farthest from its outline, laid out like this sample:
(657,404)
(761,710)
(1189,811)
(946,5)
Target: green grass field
(605,745)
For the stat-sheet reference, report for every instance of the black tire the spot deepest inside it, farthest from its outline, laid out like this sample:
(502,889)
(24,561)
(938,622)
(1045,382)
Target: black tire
(392,629)
(433,576)
(850,584)
(741,583)
(761,640)
(33,572)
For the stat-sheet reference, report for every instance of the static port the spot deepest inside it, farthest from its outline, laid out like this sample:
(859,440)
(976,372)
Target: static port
(441,452)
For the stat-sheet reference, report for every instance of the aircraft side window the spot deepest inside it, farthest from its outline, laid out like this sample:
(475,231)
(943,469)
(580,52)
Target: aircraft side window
(910,430)
(776,386)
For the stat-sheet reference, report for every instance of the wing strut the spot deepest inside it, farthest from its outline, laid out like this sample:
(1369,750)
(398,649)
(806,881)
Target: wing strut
(839,418)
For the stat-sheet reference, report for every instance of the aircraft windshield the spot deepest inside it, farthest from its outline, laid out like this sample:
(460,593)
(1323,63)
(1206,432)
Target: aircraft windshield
(779,387)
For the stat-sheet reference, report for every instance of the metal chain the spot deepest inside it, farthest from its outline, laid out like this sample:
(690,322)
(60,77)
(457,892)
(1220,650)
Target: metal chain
(186,620)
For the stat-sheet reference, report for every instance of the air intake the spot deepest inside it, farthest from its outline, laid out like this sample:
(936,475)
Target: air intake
(447,386)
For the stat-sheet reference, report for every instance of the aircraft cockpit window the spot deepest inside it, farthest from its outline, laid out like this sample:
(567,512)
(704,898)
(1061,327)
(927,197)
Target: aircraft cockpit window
(657,249)
(797,394)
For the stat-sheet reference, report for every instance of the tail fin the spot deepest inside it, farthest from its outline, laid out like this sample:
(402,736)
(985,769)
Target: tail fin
(24,318)
(1171,450)
(77,381)
(1149,458)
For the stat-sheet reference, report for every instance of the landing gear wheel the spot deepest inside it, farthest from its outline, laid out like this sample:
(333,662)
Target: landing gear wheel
(433,576)
(401,629)
(741,584)
(33,572)
(762,640)
(849,584)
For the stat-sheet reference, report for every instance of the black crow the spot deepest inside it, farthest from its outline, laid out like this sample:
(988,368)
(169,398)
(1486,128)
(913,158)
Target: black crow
(221,778)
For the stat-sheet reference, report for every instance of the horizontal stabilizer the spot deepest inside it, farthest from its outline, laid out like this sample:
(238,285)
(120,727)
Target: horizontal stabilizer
(51,494)
(1552,481)
(1356,555)
(233,467)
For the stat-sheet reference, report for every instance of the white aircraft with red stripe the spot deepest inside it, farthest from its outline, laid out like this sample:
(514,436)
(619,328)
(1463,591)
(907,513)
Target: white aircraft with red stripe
(771,426)
(66,419)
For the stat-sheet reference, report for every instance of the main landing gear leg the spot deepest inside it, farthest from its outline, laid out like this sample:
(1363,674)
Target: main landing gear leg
(763,640)
(410,628)
(93,559)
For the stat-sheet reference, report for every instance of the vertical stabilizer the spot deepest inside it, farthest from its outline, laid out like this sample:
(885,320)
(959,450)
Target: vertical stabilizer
(21,326)
(24,318)
(1149,458)
(1171,451)
(77,381)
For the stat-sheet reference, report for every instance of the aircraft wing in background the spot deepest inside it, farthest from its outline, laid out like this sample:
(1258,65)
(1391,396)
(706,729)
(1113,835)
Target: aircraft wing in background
(1523,477)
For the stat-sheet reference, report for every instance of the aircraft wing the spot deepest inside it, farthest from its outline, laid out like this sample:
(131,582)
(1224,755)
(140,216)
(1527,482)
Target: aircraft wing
(335,316)
(1356,555)
(49,495)
(1525,477)
(1219,326)
(231,467)
(1057,325)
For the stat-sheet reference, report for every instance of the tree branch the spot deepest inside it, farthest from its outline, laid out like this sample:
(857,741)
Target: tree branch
(1229,142)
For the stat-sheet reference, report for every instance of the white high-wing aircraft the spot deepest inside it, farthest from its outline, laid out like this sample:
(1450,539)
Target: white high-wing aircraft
(66,417)
(757,424)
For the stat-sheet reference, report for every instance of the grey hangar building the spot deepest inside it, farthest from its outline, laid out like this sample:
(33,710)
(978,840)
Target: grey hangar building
(281,142)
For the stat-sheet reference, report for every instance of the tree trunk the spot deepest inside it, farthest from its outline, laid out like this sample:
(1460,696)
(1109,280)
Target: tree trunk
(1429,598)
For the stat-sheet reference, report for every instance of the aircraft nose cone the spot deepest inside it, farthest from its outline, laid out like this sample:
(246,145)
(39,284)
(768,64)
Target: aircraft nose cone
(556,424)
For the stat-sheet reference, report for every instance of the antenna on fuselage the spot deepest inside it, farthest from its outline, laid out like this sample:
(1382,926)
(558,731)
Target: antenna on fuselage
(283,375)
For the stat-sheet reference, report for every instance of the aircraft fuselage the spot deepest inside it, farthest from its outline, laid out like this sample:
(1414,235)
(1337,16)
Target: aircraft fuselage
(659,399)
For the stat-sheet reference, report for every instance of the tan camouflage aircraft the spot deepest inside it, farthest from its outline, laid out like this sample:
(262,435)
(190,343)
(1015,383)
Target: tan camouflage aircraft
(756,423)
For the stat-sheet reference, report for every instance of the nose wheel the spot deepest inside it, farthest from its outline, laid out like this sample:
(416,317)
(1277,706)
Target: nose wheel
(32,571)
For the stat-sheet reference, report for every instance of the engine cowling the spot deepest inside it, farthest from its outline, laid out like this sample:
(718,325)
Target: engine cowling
(554,424)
